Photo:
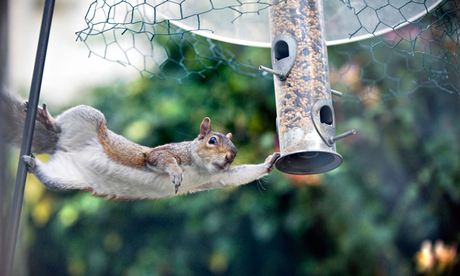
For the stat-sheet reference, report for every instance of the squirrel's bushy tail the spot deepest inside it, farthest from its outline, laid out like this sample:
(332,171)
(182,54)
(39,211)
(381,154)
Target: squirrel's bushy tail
(12,118)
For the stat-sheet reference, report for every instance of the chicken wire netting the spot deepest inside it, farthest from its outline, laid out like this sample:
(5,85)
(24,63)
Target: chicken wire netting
(411,55)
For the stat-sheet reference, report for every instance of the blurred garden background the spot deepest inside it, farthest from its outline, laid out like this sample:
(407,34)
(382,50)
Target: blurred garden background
(392,207)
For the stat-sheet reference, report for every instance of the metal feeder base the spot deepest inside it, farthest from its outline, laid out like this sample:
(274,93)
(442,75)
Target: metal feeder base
(308,162)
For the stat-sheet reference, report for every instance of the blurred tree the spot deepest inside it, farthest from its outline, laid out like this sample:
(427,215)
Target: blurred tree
(399,185)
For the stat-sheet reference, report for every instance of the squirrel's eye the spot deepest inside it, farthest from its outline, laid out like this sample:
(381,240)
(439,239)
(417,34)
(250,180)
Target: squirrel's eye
(212,140)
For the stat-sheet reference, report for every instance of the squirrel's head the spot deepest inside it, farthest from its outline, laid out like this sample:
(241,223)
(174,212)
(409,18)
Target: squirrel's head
(215,151)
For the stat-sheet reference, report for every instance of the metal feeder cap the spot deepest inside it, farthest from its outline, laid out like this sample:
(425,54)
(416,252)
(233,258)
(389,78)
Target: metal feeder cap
(308,162)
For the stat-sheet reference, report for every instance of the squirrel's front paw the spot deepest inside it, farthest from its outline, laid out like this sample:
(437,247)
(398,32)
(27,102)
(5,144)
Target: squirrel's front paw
(270,161)
(176,179)
(30,162)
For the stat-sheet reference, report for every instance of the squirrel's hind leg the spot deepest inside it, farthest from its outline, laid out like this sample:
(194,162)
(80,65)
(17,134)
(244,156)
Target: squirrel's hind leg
(44,117)
(35,167)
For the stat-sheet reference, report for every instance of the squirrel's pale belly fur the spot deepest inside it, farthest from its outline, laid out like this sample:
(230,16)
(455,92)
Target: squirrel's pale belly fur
(90,157)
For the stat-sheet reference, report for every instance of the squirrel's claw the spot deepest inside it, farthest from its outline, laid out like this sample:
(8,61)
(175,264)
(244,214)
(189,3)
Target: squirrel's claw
(176,179)
(44,117)
(30,162)
(25,106)
(176,189)
(270,161)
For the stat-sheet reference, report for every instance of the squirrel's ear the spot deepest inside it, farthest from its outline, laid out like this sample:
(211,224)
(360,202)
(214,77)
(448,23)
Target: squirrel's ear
(229,136)
(205,128)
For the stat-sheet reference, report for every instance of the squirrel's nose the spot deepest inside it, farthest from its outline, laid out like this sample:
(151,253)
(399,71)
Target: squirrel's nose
(230,156)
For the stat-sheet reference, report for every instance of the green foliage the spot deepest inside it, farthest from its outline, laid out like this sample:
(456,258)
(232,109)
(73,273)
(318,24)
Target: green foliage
(399,185)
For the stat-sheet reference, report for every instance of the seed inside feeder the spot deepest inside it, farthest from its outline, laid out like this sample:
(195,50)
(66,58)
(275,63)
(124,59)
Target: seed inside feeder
(303,98)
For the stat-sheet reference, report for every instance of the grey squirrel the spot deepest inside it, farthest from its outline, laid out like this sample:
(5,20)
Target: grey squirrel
(86,155)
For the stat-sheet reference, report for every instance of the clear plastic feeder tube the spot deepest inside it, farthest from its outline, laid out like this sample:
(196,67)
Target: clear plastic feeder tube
(305,120)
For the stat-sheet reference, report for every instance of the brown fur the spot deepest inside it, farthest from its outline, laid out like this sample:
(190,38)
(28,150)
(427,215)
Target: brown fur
(120,149)
(178,151)
(168,156)
(224,147)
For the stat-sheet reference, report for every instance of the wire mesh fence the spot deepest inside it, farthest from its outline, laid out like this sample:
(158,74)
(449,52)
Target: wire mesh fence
(146,36)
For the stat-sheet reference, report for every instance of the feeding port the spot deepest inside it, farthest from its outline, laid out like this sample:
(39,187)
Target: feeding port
(305,115)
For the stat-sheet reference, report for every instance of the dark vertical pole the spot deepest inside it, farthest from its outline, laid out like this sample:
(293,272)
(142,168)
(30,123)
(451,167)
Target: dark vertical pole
(34,95)
(4,64)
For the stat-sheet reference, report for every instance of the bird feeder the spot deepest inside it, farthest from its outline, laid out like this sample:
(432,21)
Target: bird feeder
(305,115)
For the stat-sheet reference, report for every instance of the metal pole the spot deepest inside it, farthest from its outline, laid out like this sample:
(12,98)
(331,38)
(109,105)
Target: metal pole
(4,62)
(26,145)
